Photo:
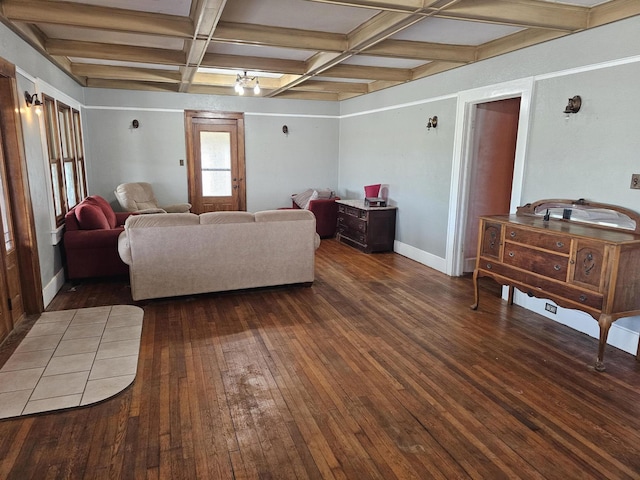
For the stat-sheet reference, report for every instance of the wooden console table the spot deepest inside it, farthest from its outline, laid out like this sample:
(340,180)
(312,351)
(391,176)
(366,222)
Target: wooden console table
(370,229)
(581,255)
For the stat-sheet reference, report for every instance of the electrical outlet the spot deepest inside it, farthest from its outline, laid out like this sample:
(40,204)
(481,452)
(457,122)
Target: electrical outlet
(635,180)
(550,308)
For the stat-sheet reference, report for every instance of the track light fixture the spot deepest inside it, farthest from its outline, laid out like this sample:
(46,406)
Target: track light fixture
(244,81)
(33,101)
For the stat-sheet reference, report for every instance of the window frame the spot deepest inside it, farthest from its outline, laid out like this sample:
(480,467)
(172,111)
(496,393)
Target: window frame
(65,156)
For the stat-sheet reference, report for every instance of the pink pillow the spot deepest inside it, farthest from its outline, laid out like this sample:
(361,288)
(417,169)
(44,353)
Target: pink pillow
(91,217)
(105,207)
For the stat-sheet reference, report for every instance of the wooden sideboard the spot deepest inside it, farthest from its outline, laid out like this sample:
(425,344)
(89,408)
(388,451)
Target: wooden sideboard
(370,229)
(593,267)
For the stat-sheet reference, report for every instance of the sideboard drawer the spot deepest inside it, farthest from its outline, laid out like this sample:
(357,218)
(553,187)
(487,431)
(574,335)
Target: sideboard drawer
(537,261)
(352,223)
(538,286)
(555,243)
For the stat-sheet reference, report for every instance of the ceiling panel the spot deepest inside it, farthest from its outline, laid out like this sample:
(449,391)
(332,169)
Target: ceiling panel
(455,32)
(297,14)
(311,49)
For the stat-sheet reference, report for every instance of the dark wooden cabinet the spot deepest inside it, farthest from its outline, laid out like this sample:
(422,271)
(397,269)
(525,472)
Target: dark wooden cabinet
(588,267)
(370,229)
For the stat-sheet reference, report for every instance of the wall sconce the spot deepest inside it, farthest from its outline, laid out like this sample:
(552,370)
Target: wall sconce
(433,122)
(574,105)
(33,100)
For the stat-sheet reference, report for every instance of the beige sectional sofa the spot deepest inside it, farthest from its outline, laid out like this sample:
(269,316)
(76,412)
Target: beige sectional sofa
(183,253)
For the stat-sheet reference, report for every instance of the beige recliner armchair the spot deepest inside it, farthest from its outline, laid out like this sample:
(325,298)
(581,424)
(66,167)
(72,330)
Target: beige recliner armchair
(138,197)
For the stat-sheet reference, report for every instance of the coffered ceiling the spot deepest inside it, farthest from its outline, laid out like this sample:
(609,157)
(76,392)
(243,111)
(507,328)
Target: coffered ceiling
(308,49)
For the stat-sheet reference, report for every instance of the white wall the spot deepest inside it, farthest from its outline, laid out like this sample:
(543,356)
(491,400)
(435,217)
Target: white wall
(277,165)
(590,155)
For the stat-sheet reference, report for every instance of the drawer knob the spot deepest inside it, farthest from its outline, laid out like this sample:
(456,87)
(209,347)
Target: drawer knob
(557,268)
(583,298)
(513,234)
(489,266)
(559,244)
(511,254)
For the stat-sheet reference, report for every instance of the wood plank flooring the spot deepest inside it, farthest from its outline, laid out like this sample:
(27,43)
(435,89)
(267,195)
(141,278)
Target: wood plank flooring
(378,371)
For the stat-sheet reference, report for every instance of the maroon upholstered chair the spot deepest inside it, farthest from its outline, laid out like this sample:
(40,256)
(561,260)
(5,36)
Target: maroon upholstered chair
(326,212)
(91,239)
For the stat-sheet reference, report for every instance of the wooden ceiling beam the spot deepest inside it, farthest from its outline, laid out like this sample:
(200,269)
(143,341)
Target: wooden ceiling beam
(131,85)
(92,16)
(260,64)
(423,51)
(371,73)
(244,33)
(338,87)
(521,13)
(205,16)
(510,43)
(612,11)
(110,72)
(123,53)
(409,6)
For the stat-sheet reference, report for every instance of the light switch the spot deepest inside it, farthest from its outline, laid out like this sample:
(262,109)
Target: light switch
(181,162)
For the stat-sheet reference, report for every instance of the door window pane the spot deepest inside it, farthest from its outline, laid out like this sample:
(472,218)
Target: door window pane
(215,161)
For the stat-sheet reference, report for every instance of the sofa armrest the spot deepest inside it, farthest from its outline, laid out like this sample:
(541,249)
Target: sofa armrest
(121,217)
(87,239)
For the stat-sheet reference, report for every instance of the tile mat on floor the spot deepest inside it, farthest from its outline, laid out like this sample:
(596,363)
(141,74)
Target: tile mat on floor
(72,358)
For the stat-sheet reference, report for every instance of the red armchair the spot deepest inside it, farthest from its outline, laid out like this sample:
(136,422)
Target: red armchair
(91,239)
(326,212)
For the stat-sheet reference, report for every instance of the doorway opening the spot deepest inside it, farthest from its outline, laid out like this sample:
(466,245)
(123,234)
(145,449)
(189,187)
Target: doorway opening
(475,129)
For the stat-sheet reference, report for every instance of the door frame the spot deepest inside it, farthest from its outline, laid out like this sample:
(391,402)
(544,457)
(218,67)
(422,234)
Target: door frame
(18,186)
(238,117)
(463,151)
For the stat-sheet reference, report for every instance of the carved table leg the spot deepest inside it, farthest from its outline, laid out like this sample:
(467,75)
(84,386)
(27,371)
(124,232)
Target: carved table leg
(475,290)
(605,322)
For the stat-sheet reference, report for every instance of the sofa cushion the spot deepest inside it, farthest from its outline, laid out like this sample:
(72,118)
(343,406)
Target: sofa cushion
(162,220)
(283,215)
(91,217)
(105,207)
(226,217)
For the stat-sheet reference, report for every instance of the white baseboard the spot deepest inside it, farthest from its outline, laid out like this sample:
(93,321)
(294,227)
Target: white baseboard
(420,256)
(623,334)
(53,287)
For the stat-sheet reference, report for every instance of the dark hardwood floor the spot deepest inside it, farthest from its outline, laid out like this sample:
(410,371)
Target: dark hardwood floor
(378,371)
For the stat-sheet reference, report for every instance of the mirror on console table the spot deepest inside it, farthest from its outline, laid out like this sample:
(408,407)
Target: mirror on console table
(582,255)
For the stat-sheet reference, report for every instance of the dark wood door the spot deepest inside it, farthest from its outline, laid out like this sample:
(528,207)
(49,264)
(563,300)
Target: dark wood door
(215,158)
(491,169)
(11,305)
